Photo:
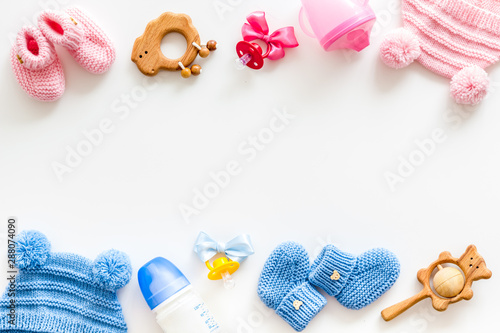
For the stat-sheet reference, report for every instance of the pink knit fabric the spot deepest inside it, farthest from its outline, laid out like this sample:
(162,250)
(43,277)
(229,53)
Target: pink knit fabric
(60,29)
(36,65)
(456,39)
(85,41)
(454,34)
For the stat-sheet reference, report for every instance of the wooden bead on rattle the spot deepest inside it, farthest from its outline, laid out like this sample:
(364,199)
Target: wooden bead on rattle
(186,72)
(202,51)
(212,45)
(448,281)
(196,69)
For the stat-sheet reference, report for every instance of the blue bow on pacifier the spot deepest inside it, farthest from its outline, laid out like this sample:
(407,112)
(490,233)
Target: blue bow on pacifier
(235,251)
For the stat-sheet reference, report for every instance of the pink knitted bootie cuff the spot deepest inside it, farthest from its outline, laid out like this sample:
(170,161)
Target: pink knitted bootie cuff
(36,66)
(34,51)
(61,29)
(83,38)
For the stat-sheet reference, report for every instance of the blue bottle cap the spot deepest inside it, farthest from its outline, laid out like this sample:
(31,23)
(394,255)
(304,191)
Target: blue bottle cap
(159,280)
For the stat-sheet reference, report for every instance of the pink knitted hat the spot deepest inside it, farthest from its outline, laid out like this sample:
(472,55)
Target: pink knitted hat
(36,65)
(456,39)
(85,41)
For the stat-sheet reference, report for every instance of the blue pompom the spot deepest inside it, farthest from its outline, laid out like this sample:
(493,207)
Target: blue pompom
(112,270)
(32,249)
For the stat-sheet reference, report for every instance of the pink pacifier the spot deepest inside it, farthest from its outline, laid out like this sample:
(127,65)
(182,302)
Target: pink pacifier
(250,54)
(338,24)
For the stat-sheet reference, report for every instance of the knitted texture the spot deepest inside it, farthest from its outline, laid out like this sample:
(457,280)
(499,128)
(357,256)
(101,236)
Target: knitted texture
(36,65)
(452,35)
(283,286)
(61,292)
(60,29)
(83,38)
(354,281)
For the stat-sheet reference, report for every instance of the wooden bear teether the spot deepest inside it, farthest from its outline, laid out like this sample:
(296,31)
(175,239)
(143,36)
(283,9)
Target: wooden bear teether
(147,53)
(449,284)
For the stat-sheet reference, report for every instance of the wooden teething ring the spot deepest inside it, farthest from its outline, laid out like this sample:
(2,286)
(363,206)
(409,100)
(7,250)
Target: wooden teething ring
(147,49)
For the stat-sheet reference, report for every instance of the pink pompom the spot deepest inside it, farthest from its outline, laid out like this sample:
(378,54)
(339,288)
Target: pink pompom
(470,85)
(400,48)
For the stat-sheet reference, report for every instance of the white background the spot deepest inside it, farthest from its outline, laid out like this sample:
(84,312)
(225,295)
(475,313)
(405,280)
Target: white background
(320,180)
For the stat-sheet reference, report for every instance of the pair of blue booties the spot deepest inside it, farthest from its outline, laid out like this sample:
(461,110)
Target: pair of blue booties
(288,280)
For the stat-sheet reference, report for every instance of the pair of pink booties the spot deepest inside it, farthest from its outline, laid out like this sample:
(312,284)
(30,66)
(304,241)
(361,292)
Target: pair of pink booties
(34,59)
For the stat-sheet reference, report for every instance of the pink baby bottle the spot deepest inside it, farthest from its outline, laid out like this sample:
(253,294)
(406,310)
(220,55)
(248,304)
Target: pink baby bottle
(338,24)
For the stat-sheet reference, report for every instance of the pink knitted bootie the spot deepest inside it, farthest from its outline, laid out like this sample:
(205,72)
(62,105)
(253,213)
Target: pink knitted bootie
(85,41)
(36,65)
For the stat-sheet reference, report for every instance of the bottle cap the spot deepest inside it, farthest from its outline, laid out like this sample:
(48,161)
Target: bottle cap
(159,280)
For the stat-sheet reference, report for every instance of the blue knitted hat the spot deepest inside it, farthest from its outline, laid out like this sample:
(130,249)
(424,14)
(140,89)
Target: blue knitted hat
(63,292)
(283,286)
(354,281)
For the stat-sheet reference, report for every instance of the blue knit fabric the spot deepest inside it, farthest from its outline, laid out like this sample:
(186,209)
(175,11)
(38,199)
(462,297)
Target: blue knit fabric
(283,281)
(360,280)
(60,292)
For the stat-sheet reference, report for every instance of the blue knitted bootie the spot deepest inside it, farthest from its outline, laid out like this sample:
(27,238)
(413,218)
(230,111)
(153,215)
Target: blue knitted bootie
(283,286)
(354,281)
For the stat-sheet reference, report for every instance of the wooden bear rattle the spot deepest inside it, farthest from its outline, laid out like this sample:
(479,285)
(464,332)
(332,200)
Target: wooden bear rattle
(449,284)
(147,53)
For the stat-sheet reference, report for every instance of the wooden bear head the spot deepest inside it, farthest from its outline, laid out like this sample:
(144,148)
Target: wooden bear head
(473,265)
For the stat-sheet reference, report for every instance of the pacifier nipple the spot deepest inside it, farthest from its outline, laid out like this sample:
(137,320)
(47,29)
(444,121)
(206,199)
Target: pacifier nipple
(228,280)
(242,62)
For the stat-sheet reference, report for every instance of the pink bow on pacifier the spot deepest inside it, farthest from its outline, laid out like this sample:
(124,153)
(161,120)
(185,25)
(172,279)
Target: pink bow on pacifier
(250,54)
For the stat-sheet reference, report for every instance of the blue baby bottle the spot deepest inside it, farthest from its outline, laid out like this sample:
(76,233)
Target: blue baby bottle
(178,308)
